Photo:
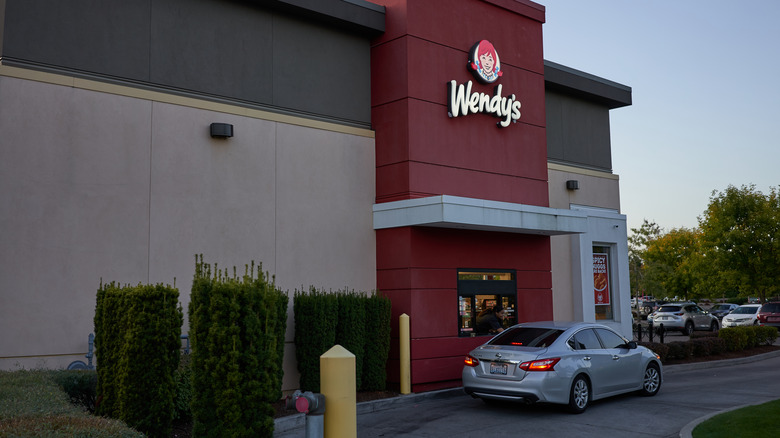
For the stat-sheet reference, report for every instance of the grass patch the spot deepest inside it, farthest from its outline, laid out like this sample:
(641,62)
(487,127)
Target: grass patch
(32,404)
(752,421)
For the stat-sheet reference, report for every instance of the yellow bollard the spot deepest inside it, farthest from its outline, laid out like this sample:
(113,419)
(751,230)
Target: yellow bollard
(403,341)
(338,385)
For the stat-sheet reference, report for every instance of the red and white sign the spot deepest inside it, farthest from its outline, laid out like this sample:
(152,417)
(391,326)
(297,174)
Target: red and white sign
(601,279)
(484,64)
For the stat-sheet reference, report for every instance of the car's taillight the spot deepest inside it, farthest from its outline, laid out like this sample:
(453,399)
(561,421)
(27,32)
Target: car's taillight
(680,314)
(471,361)
(540,365)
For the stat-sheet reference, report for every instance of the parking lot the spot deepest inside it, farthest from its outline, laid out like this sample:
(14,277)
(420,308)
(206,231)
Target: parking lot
(685,397)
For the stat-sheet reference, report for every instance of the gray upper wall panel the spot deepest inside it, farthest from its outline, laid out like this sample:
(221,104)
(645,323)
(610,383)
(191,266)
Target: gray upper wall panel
(278,55)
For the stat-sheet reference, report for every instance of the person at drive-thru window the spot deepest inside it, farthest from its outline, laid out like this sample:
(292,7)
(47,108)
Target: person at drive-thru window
(489,320)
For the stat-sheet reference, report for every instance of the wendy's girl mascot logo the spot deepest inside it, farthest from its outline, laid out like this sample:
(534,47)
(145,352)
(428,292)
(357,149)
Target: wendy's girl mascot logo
(484,64)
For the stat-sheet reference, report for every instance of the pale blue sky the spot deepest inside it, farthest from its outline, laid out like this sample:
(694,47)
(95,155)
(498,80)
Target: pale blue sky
(705,77)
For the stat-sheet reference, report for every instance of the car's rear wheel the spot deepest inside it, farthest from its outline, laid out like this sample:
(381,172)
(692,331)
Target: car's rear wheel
(579,397)
(651,382)
(714,326)
(688,330)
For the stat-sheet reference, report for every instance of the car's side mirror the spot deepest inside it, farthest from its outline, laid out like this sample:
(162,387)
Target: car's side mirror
(631,345)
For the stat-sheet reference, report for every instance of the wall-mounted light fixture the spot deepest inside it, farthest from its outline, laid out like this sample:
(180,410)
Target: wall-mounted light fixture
(221,130)
(572,184)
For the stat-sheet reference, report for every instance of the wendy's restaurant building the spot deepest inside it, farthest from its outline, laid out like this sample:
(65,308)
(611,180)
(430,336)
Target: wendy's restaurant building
(424,149)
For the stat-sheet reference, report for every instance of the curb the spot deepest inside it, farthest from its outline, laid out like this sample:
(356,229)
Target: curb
(292,422)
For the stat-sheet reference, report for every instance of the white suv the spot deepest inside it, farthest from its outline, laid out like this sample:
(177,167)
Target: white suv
(685,317)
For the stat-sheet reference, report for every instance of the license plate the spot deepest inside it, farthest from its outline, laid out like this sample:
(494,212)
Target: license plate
(663,318)
(498,368)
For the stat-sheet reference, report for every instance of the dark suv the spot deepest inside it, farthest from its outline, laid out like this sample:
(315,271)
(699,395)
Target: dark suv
(769,314)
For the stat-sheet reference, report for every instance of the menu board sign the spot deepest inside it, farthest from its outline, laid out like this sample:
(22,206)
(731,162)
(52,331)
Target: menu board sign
(601,279)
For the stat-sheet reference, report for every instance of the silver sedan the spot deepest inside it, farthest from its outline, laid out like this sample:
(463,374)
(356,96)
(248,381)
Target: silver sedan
(566,363)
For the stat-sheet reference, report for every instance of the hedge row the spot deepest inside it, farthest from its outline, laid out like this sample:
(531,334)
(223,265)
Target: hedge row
(712,344)
(237,327)
(32,405)
(137,341)
(358,322)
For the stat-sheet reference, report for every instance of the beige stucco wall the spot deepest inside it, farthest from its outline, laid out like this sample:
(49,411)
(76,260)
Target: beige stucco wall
(599,196)
(107,182)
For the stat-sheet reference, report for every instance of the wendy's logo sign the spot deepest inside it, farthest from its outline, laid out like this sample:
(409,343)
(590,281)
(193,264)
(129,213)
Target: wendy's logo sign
(484,64)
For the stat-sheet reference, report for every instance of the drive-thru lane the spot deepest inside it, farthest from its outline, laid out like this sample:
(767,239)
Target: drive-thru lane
(688,393)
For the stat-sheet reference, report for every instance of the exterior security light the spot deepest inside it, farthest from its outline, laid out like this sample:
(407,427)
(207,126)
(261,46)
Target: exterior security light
(221,130)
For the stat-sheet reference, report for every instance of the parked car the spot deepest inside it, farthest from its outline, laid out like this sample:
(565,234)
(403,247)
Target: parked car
(685,317)
(769,314)
(746,314)
(645,308)
(721,310)
(564,363)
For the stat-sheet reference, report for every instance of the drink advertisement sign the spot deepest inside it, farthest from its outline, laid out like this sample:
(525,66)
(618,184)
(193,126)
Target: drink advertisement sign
(601,279)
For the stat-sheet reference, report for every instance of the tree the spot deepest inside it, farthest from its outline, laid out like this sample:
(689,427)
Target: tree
(672,263)
(740,240)
(637,245)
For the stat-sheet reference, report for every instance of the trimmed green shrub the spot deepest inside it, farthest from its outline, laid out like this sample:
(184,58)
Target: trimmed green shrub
(33,405)
(679,350)
(658,348)
(696,335)
(359,322)
(137,342)
(316,317)
(765,335)
(237,327)
(350,328)
(183,379)
(377,347)
(736,338)
(80,385)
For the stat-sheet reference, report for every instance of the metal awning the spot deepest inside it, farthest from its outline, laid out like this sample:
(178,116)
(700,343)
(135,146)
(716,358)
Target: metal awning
(478,214)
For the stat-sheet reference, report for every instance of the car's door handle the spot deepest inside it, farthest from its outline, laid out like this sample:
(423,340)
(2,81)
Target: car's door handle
(615,357)
(586,358)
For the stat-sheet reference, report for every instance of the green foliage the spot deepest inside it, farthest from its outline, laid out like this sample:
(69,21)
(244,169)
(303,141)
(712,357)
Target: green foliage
(350,328)
(662,350)
(32,404)
(679,350)
(80,385)
(183,379)
(741,240)
(316,318)
(734,252)
(137,342)
(749,422)
(377,347)
(237,327)
(736,337)
(359,322)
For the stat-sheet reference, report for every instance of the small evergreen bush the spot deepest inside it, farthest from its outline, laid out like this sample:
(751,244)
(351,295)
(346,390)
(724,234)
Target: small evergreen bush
(316,318)
(237,328)
(736,338)
(80,385)
(377,348)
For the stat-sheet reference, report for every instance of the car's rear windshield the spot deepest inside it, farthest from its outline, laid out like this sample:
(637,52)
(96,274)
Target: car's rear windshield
(527,337)
(669,309)
(721,307)
(770,308)
(745,310)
